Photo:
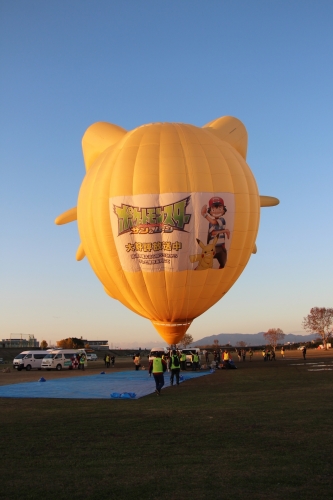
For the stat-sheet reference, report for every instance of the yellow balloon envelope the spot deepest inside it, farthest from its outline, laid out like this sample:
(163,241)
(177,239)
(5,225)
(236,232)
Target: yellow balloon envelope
(168,216)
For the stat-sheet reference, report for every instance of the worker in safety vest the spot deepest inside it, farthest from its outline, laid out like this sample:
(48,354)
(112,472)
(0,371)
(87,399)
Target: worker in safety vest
(82,361)
(157,367)
(183,361)
(195,361)
(226,359)
(174,367)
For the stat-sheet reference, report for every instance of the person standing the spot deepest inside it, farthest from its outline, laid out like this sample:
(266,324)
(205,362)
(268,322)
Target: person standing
(137,360)
(174,367)
(157,367)
(282,351)
(304,352)
(195,361)
(107,360)
(273,355)
(226,358)
(243,354)
(82,360)
(250,354)
(183,361)
(207,357)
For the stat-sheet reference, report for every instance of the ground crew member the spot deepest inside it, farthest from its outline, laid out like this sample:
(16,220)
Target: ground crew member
(183,361)
(157,367)
(195,361)
(250,354)
(174,367)
(137,360)
(226,358)
(82,361)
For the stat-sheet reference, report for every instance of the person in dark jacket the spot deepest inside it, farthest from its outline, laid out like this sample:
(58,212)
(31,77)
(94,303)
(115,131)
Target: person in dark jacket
(174,367)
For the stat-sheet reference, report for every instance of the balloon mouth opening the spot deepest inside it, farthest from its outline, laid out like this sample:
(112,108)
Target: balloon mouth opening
(172,325)
(172,333)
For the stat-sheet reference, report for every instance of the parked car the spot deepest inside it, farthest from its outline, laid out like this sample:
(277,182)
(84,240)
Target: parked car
(92,357)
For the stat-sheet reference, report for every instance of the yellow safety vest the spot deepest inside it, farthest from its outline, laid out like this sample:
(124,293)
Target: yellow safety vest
(173,367)
(157,365)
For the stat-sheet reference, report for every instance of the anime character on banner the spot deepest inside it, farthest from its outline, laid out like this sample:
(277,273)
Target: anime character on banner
(216,227)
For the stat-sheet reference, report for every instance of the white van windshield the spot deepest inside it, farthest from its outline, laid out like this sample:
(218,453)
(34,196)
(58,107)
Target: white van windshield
(154,353)
(50,356)
(20,356)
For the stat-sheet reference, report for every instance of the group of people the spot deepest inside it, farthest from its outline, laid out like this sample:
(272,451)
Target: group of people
(158,366)
(268,355)
(109,360)
(78,361)
(167,357)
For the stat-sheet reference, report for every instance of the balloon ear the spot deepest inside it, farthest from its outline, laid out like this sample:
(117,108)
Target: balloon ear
(231,130)
(97,138)
(200,244)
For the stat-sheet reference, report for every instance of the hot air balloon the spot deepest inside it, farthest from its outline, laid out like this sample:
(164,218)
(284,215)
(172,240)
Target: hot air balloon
(168,216)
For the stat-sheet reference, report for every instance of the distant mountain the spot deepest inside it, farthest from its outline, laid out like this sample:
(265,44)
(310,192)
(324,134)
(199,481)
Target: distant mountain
(250,339)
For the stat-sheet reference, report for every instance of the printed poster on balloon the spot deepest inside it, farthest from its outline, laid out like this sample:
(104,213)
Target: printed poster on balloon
(173,231)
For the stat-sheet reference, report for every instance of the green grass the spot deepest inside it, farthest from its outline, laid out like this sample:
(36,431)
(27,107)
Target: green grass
(262,431)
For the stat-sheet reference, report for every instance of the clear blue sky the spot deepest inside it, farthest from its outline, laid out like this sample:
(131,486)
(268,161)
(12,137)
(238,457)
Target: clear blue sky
(67,64)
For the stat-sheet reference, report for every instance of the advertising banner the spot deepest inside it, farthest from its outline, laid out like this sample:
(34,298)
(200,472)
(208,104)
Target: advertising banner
(172,231)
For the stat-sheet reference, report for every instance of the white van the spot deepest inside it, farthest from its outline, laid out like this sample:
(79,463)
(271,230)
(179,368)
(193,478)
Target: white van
(59,359)
(29,360)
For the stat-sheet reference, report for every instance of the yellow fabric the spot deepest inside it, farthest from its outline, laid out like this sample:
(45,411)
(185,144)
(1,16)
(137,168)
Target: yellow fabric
(165,158)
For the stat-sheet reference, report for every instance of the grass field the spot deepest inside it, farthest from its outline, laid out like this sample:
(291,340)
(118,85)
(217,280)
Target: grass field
(262,431)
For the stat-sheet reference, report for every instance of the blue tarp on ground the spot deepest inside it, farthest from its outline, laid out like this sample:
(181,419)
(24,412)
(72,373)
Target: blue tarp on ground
(92,386)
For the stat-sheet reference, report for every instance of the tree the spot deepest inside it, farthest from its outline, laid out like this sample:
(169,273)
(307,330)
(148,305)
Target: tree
(273,335)
(186,340)
(216,343)
(70,343)
(44,344)
(320,322)
(241,343)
